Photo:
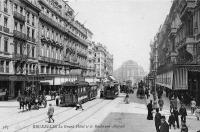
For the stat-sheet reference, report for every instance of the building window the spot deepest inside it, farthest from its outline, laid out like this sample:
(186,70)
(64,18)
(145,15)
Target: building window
(7,66)
(21,10)
(28,14)
(15,28)
(42,30)
(52,35)
(33,51)
(5,45)
(33,33)
(42,51)
(42,69)
(28,32)
(5,5)
(21,27)
(56,36)
(33,20)
(28,50)
(48,33)
(15,7)
(5,21)
(1,66)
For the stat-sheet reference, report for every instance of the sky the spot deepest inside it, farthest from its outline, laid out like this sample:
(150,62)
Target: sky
(125,27)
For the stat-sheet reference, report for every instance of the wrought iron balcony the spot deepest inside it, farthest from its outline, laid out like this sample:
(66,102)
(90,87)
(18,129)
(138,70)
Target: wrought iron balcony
(6,30)
(19,16)
(51,22)
(19,35)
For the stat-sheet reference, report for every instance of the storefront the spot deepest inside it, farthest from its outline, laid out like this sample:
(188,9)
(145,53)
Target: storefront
(181,79)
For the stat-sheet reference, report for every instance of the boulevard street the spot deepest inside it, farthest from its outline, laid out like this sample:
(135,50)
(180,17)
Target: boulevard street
(99,115)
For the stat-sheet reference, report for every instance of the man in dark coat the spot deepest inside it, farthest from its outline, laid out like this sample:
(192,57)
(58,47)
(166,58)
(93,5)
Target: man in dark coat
(176,114)
(183,113)
(150,109)
(164,126)
(157,120)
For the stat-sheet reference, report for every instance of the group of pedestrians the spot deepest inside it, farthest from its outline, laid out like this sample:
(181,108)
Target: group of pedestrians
(173,121)
(162,125)
(27,102)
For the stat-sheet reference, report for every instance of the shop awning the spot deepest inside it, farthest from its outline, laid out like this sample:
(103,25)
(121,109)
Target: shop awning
(165,79)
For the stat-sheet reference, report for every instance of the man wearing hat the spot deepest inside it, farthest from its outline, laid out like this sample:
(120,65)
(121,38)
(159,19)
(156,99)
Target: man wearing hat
(164,125)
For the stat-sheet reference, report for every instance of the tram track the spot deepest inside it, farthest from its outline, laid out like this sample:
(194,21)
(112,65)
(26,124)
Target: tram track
(55,115)
(36,116)
(101,107)
(93,113)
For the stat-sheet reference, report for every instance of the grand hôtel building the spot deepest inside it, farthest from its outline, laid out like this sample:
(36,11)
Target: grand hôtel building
(41,44)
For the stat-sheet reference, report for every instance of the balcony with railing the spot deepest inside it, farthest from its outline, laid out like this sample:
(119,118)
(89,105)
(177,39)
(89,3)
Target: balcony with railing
(51,22)
(19,35)
(19,16)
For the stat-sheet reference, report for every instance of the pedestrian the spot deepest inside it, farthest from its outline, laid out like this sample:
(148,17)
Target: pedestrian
(161,103)
(126,100)
(197,113)
(171,104)
(176,114)
(171,121)
(29,103)
(157,120)
(22,102)
(193,106)
(19,98)
(79,106)
(147,93)
(50,113)
(57,99)
(164,127)
(150,110)
(184,127)
(183,113)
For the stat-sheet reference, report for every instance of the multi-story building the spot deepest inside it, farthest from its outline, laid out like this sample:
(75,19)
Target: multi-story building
(178,49)
(103,61)
(18,43)
(40,40)
(100,55)
(91,60)
(109,63)
(129,70)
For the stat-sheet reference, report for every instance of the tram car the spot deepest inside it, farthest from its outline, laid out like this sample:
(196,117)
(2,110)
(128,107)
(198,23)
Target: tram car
(110,90)
(81,92)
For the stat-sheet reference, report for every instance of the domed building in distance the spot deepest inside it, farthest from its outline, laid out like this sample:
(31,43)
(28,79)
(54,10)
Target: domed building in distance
(129,70)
